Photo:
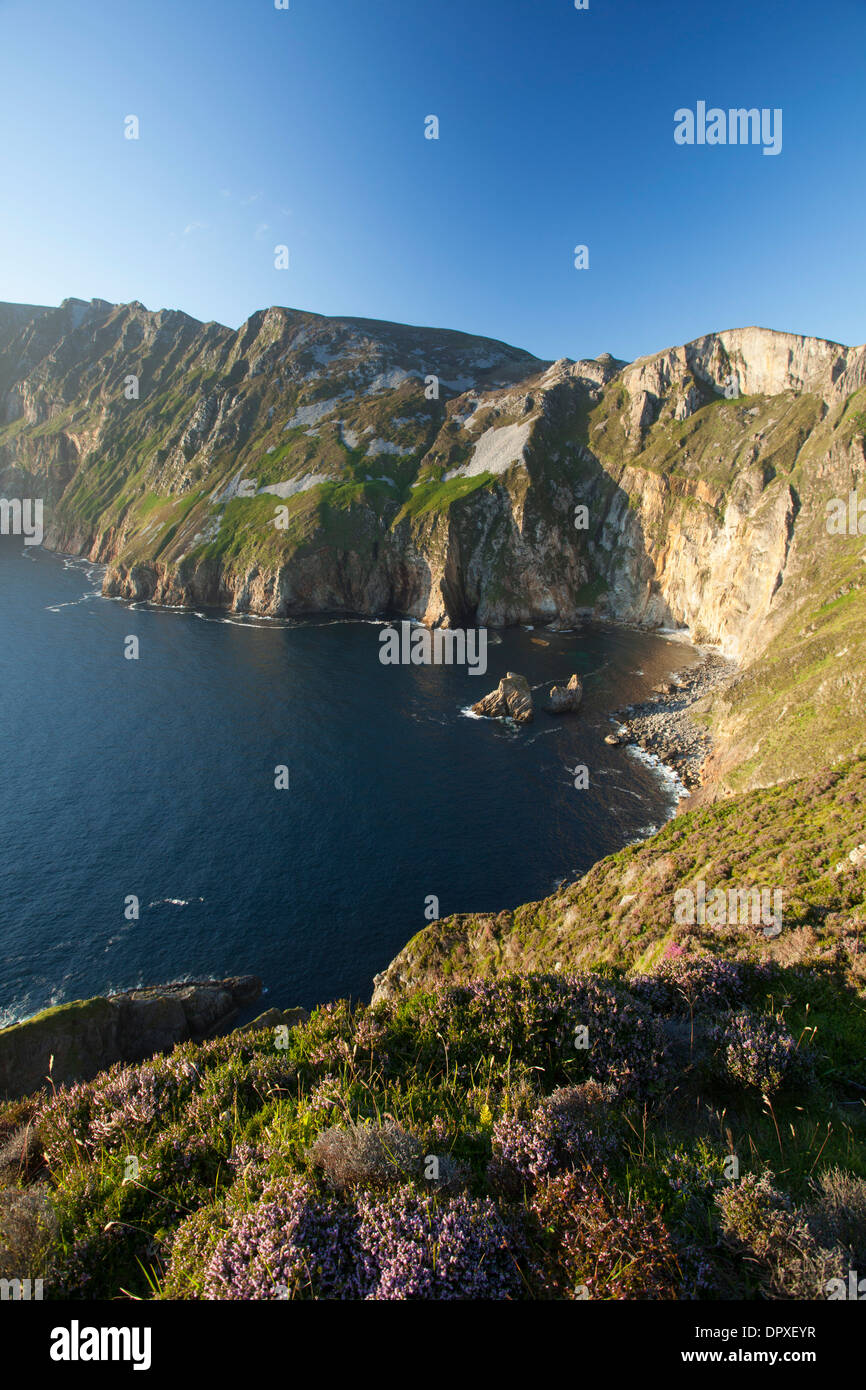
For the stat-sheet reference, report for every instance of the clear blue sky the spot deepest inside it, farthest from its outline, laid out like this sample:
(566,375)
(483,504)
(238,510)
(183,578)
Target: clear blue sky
(306,127)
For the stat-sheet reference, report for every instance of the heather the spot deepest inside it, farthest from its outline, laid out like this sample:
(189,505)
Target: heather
(693,1132)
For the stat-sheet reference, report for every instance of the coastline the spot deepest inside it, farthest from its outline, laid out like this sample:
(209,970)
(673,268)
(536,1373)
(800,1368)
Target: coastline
(663,727)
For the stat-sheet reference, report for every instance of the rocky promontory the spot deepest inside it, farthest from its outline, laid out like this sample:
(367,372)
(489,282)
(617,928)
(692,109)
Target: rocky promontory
(75,1041)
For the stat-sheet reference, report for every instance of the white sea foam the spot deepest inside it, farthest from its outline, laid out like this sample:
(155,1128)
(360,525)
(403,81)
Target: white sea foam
(72,603)
(644,833)
(557,729)
(175,902)
(666,775)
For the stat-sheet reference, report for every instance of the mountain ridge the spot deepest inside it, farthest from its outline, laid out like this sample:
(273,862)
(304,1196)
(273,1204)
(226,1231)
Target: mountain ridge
(306,463)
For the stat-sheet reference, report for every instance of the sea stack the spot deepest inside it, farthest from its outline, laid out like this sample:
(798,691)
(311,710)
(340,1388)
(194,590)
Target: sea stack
(565,699)
(511,699)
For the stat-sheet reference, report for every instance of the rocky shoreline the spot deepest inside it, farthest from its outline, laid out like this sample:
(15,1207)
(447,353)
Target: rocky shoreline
(663,726)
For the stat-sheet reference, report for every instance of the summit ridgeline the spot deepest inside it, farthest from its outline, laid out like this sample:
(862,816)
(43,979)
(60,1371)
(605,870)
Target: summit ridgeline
(304,464)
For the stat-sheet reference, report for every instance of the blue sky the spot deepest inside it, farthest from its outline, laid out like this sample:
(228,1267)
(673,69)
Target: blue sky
(305,127)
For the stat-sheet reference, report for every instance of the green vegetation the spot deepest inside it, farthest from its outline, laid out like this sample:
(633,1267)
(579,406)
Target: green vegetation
(465,1142)
(437,497)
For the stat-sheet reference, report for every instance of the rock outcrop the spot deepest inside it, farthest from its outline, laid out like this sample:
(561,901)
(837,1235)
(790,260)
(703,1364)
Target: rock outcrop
(565,699)
(75,1041)
(512,699)
(275,1018)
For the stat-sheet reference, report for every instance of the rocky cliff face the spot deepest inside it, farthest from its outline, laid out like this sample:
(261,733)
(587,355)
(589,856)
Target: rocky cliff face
(304,464)
(73,1042)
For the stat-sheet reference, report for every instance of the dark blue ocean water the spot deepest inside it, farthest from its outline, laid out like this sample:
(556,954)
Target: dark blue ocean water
(156,778)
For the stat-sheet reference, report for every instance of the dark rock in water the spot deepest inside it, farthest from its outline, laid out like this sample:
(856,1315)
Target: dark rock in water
(511,699)
(614,740)
(565,699)
(74,1042)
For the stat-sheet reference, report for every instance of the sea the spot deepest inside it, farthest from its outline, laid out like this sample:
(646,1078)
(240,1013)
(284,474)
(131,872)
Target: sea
(265,796)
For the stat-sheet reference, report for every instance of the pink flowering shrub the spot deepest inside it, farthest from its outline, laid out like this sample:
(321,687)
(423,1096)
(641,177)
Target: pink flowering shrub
(754,1051)
(685,985)
(416,1246)
(537,1020)
(123,1106)
(546,1136)
(296,1244)
(595,1245)
(566,1130)
(291,1244)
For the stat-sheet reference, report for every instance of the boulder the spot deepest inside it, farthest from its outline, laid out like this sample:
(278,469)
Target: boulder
(244,989)
(565,699)
(511,699)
